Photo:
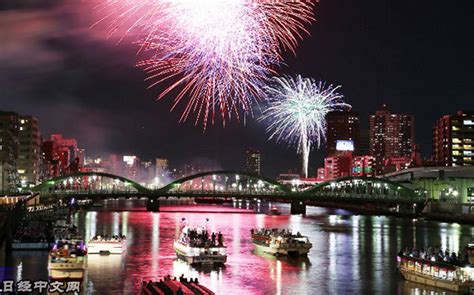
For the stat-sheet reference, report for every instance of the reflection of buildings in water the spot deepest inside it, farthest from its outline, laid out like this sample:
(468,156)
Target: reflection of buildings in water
(209,276)
(296,264)
(105,268)
(355,249)
(91,225)
(155,243)
(125,227)
(450,235)
(415,288)
(116,224)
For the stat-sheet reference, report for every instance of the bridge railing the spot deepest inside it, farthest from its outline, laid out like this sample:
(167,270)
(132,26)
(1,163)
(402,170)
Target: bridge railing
(339,195)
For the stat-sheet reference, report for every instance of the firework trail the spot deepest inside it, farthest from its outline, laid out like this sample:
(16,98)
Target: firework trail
(297,112)
(216,54)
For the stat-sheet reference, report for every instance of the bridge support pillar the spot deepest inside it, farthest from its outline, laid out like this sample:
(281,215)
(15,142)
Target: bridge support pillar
(153,205)
(298,207)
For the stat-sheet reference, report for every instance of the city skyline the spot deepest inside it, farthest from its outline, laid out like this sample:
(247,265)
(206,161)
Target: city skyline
(103,102)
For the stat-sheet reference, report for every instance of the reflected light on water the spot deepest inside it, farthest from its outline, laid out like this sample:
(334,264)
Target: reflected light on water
(359,260)
(116,223)
(155,242)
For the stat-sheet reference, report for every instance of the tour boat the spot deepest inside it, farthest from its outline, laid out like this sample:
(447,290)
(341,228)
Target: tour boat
(274,212)
(449,276)
(105,245)
(197,247)
(169,285)
(280,242)
(67,261)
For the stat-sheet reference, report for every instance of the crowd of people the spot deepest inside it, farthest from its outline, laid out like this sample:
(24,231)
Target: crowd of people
(286,233)
(67,248)
(437,254)
(115,238)
(197,237)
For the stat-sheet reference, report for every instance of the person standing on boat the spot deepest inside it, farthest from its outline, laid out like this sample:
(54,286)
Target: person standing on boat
(220,239)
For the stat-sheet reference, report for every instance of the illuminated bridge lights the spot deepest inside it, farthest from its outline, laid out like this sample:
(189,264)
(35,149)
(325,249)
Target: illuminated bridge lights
(228,183)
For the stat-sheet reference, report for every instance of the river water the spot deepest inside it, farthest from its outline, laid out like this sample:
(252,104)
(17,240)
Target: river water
(358,258)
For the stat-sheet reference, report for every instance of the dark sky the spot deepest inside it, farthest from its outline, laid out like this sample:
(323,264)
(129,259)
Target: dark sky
(416,56)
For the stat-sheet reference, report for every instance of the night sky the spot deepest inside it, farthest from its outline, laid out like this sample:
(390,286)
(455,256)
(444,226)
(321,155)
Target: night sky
(415,56)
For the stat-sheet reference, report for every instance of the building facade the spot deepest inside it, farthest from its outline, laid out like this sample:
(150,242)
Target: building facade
(29,150)
(453,140)
(9,138)
(60,156)
(391,135)
(363,166)
(337,166)
(341,126)
(253,161)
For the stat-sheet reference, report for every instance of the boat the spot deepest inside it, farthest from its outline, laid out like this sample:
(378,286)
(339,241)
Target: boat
(274,212)
(106,245)
(197,247)
(174,286)
(456,277)
(67,261)
(280,242)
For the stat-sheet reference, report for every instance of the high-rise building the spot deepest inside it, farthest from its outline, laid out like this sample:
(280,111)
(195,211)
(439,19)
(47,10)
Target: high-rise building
(9,180)
(253,161)
(29,151)
(453,140)
(131,168)
(391,135)
(66,145)
(59,156)
(363,147)
(341,126)
(337,166)
(363,166)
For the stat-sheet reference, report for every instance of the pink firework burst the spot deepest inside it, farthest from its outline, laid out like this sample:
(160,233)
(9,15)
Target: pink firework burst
(218,54)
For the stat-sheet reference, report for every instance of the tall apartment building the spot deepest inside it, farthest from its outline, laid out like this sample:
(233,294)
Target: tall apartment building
(391,135)
(59,156)
(253,161)
(9,180)
(29,148)
(453,140)
(341,125)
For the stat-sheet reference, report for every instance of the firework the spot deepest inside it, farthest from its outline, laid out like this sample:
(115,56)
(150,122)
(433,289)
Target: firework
(216,54)
(297,112)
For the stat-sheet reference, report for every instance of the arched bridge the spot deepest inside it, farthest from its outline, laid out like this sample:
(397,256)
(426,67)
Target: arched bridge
(236,184)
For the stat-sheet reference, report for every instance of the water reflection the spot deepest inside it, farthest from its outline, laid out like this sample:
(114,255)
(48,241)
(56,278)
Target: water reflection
(358,260)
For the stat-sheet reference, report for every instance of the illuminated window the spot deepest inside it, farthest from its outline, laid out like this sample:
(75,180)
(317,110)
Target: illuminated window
(468,122)
(456,140)
(21,171)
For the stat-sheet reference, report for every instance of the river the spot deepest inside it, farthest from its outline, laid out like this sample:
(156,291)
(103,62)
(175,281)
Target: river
(359,259)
